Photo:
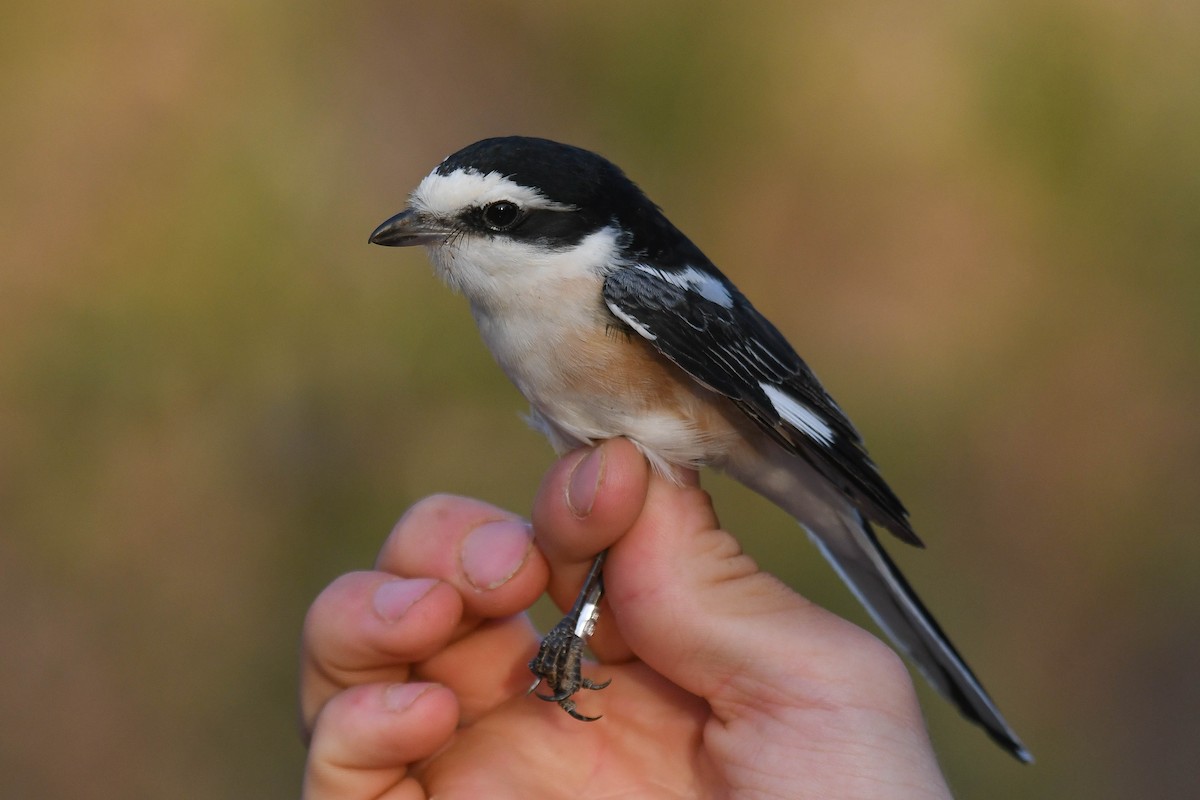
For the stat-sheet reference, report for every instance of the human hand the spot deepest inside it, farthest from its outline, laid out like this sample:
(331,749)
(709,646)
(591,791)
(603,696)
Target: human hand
(725,682)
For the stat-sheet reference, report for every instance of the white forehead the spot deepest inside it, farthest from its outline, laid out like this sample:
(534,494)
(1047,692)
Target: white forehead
(446,195)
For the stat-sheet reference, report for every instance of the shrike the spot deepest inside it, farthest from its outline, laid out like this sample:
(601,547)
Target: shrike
(612,323)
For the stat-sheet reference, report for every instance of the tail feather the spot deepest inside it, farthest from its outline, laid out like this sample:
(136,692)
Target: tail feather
(846,539)
(860,560)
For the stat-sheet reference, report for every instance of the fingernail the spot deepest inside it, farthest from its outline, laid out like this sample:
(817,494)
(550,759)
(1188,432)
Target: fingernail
(585,480)
(395,597)
(493,552)
(400,696)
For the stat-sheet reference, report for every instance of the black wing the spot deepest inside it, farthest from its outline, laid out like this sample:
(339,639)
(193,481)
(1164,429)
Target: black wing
(702,323)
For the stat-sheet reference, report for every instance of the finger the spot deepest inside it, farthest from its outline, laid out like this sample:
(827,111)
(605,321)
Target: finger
(368,627)
(366,737)
(486,668)
(694,607)
(484,552)
(587,501)
(487,554)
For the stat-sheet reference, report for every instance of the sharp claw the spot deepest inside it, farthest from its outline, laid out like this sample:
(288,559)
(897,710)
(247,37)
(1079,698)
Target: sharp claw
(557,664)
(560,656)
(569,707)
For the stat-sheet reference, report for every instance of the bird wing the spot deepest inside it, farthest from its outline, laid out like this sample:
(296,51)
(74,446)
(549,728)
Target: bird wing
(698,320)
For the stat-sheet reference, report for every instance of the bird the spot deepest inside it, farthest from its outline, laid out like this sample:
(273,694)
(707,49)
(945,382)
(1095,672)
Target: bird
(612,323)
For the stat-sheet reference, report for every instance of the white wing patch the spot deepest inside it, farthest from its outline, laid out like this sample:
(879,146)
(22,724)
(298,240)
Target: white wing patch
(692,279)
(631,322)
(796,413)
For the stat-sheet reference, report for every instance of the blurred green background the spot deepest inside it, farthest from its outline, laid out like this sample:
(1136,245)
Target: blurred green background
(979,222)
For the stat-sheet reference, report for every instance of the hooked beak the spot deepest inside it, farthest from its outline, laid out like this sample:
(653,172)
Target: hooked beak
(406,229)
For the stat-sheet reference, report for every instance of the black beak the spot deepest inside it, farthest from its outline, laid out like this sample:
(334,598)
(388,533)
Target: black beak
(406,229)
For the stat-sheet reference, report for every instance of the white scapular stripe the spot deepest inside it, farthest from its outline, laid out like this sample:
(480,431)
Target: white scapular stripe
(692,279)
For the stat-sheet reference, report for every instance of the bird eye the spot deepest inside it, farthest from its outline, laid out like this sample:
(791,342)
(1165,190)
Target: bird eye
(501,215)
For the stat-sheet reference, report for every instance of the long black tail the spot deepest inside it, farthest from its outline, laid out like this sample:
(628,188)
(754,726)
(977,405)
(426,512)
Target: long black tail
(856,554)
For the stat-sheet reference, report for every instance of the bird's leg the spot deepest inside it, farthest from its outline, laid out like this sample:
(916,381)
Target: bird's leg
(561,654)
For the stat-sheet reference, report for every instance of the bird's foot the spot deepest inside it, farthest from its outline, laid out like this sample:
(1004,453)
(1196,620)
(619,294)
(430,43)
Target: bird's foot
(558,663)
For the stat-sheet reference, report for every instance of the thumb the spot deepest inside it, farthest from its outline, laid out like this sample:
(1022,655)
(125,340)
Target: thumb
(700,612)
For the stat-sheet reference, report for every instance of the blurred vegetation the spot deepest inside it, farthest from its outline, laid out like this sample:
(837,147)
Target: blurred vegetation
(980,223)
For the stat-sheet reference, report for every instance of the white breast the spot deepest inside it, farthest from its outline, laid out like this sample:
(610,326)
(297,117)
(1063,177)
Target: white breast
(542,314)
(587,382)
